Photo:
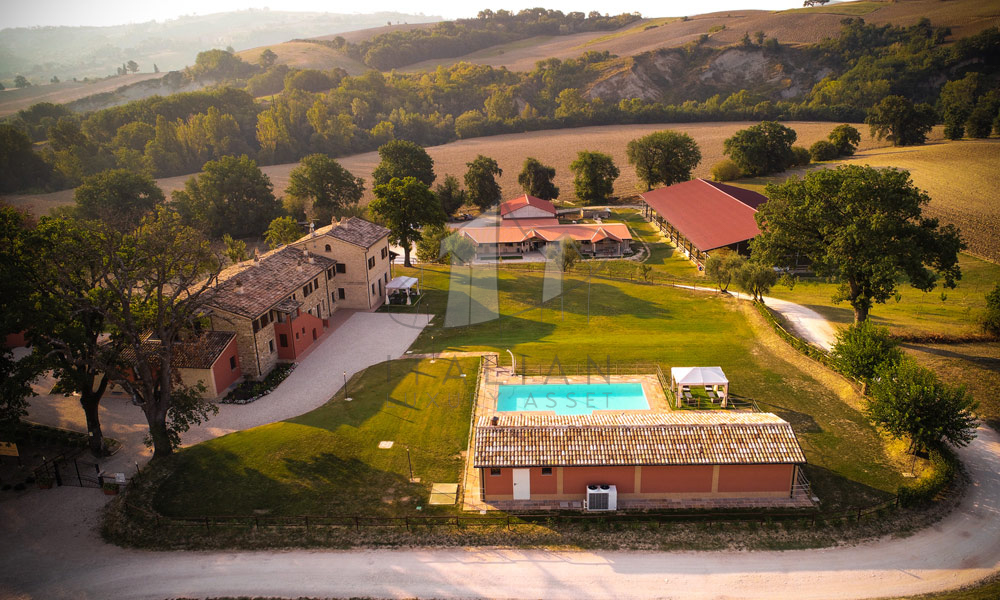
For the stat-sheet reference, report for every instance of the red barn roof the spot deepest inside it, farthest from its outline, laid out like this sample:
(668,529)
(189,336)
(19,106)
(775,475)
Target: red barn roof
(526,200)
(709,214)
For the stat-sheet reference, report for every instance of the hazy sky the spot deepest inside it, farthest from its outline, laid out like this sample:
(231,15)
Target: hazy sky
(27,13)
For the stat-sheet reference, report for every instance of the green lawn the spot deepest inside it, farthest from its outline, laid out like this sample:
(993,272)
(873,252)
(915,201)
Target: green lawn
(638,323)
(327,461)
(916,311)
(663,257)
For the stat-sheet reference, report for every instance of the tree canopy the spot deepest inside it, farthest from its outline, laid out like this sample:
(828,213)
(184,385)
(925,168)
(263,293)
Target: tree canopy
(900,121)
(450,194)
(405,206)
(118,197)
(480,182)
(664,157)
(536,179)
(863,348)
(861,225)
(282,231)
(846,139)
(231,196)
(595,175)
(762,149)
(400,158)
(329,186)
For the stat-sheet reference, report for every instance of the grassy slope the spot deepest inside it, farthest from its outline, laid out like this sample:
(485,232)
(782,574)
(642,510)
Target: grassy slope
(304,55)
(642,323)
(13,100)
(298,466)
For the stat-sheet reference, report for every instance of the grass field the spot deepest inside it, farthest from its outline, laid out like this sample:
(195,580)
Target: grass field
(305,55)
(13,100)
(841,8)
(306,465)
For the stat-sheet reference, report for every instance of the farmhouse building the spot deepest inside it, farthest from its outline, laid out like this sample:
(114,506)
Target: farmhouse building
(207,357)
(699,216)
(361,251)
(277,305)
(649,457)
(529,224)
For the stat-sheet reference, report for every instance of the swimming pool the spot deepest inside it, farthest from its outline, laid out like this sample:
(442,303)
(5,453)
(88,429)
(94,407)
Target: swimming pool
(572,399)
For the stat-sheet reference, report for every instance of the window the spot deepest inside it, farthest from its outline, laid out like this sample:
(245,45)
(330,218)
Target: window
(341,294)
(306,290)
(371,263)
(385,277)
(546,470)
(270,345)
(494,472)
(333,296)
(373,289)
(327,248)
(385,251)
(329,274)
(283,340)
(232,363)
(341,268)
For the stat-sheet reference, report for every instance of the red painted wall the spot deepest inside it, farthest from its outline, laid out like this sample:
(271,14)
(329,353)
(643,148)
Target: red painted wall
(300,334)
(755,478)
(502,484)
(223,375)
(543,484)
(576,479)
(677,479)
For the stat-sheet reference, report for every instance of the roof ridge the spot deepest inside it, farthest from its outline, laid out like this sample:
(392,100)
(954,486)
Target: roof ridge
(716,184)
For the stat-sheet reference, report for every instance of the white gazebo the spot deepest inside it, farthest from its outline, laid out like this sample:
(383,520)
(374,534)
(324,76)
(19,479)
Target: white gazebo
(404,284)
(710,378)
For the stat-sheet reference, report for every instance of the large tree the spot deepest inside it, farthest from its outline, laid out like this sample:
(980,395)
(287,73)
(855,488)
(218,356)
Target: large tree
(861,225)
(481,183)
(20,167)
(231,196)
(846,138)
(900,121)
(117,197)
(329,186)
(908,400)
(957,100)
(155,282)
(664,157)
(405,206)
(536,180)
(762,149)
(16,313)
(400,158)
(595,175)
(70,319)
(450,194)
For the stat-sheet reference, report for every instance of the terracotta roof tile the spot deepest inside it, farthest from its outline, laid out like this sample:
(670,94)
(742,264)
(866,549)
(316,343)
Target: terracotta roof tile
(681,438)
(200,351)
(251,288)
(526,200)
(355,231)
(710,215)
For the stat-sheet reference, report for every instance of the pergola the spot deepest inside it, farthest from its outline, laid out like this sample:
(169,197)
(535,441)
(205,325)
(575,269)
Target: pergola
(711,378)
(404,284)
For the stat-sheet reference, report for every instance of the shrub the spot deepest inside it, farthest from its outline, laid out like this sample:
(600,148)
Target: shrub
(726,170)
(862,348)
(931,481)
(990,321)
(823,150)
(801,156)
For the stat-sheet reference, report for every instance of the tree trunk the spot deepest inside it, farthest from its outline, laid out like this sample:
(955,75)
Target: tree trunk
(860,313)
(158,433)
(90,401)
(406,255)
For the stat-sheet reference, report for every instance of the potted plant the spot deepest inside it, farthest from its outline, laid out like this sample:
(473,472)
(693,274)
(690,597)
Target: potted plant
(44,482)
(110,488)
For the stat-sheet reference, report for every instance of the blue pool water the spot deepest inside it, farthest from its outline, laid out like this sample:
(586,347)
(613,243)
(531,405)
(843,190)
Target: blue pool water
(572,399)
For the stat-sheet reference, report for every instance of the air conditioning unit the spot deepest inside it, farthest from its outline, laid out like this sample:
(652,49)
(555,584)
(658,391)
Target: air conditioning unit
(601,498)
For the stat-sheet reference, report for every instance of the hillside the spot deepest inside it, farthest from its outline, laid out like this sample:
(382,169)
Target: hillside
(304,55)
(67,52)
(13,100)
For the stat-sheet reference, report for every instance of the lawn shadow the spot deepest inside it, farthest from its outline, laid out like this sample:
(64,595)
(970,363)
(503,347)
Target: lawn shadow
(986,362)
(837,492)
(202,481)
(801,422)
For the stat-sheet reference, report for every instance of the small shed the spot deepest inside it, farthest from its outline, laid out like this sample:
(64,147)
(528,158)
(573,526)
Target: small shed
(711,378)
(403,284)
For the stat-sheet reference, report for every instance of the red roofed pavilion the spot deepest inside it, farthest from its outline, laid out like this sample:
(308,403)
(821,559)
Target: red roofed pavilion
(700,216)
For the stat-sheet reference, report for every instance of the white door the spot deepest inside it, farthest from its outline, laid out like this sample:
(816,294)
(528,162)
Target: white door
(522,484)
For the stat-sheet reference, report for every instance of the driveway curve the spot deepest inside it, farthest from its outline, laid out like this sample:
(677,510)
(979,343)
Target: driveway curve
(50,553)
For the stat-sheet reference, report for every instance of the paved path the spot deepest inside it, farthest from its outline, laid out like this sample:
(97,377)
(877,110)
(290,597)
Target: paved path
(48,551)
(807,323)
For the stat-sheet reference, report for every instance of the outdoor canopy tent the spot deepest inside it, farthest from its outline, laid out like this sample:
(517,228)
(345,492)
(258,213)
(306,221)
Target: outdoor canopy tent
(404,284)
(699,376)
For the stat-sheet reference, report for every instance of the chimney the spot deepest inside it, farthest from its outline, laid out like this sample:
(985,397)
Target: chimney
(298,265)
(309,258)
(256,255)
(494,420)
(239,286)
(312,229)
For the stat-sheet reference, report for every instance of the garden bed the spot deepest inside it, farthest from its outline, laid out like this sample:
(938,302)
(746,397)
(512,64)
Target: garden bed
(249,391)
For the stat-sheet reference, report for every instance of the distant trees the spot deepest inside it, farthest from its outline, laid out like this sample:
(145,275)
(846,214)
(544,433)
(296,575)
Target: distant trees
(132,66)
(861,225)
(326,184)
(481,183)
(117,197)
(664,157)
(406,205)
(231,196)
(845,138)
(536,179)
(762,149)
(20,167)
(957,100)
(400,159)
(595,175)
(282,231)
(900,121)
(220,64)
(267,58)
(451,195)
(21,81)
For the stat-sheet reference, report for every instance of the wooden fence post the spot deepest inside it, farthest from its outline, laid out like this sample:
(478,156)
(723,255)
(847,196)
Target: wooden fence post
(357,523)
(207,528)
